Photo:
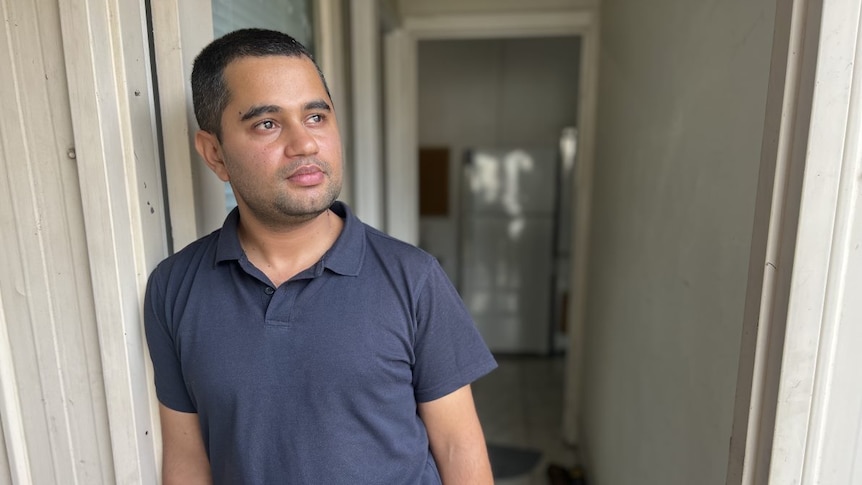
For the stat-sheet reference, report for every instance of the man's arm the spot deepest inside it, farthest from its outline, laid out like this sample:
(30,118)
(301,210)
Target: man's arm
(456,438)
(184,459)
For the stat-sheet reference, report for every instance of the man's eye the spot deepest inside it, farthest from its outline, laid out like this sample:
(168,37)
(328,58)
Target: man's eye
(315,118)
(267,125)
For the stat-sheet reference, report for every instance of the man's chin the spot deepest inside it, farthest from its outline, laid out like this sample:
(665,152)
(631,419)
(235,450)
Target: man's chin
(305,214)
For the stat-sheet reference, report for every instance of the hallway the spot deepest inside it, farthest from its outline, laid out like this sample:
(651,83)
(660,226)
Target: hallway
(520,406)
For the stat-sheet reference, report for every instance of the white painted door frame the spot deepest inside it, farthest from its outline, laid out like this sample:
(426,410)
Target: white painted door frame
(401,56)
(771,255)
(798,414)
(818,422)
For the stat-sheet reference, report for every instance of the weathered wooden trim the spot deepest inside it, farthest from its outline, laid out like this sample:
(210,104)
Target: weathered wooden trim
(111,99)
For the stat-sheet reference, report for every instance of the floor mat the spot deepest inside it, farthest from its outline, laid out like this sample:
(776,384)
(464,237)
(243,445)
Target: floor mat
(511,461)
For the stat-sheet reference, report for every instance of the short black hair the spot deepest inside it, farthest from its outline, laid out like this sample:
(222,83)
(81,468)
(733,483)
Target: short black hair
(210,93)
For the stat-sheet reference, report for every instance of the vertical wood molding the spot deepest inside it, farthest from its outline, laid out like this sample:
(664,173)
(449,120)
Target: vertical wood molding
(402,164)
(367,136)
(107,64)
(328,18)
(53,357)
(10,411)
(773,241)
(819,411)
(582,210)
(330,54)
(196,27)
(177,120)
(197,197)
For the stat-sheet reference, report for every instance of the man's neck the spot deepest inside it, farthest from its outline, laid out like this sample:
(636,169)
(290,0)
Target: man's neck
(284,252)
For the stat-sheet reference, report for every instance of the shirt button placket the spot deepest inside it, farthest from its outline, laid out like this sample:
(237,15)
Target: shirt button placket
(269,290)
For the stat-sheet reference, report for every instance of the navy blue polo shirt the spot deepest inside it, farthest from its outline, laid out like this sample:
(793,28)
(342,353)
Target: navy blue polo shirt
(315,381)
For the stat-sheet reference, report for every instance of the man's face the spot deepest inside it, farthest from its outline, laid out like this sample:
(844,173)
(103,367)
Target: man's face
(280,148)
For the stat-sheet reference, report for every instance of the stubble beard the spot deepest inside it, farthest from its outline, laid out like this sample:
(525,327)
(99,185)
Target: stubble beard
(290,207)
(294,209)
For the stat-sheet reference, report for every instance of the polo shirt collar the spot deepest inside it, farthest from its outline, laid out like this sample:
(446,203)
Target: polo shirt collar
(228,247)
(345,257)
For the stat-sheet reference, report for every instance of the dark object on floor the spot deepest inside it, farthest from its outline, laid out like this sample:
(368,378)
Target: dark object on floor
(559,475)
(510,461)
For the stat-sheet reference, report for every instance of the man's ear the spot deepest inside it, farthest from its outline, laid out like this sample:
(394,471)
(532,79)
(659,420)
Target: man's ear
(209,149)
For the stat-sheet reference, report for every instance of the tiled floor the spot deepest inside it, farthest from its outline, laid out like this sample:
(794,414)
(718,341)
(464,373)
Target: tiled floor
(520,405)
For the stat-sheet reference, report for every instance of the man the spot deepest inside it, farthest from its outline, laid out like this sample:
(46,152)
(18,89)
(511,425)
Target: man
(295,344)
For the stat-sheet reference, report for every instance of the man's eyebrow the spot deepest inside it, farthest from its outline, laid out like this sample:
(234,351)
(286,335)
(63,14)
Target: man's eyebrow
(256,111)
(317,104)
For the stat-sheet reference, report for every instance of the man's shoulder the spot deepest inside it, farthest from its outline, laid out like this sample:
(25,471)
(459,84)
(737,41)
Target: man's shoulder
(196,252)
(396,250)
(361,237)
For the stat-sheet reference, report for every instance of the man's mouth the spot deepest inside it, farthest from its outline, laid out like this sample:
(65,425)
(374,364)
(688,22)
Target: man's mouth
(307,175)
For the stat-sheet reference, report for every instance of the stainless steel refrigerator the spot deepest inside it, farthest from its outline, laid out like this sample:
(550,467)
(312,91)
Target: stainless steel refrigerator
(509,245)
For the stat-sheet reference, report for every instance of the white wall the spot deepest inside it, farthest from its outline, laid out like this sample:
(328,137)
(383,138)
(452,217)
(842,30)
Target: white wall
(83,223)
(681,110)
(53,399)
(485,93)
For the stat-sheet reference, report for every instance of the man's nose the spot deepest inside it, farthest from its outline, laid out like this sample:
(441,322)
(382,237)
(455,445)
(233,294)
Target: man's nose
(300,142)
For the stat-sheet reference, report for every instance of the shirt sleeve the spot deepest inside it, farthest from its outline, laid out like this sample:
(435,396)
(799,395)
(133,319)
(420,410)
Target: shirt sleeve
(170,385)
(448,349)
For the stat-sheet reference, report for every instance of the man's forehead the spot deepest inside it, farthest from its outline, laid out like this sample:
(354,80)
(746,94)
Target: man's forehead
(301,72)
(244,64)
(253,77)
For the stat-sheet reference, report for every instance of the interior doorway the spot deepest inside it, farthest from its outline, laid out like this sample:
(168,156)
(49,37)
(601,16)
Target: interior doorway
(497,135)
(401,47)
(495,209)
